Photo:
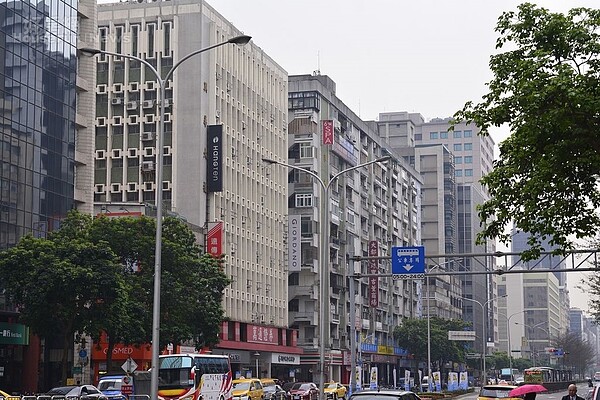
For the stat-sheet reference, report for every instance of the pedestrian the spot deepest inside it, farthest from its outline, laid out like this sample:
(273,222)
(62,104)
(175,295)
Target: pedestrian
(529,396)
(572,393)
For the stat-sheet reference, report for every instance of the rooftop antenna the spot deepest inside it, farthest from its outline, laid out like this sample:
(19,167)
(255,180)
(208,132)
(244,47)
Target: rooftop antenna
(318,70)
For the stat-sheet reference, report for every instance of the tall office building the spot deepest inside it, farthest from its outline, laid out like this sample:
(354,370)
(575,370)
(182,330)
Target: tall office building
(372,209)
(471,158)
(233,94)
(45,150)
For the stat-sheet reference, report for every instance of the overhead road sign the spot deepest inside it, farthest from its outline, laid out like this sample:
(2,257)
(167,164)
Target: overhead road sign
(461,335)
(408,262)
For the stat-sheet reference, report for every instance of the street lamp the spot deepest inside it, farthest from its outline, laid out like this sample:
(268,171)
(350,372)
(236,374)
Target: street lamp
(484,332)
(241,40)
(257,354)
(509,345)
(532,327)
(324,252)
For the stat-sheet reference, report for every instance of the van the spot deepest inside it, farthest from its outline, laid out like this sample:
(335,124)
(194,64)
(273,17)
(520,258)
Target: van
(110,386)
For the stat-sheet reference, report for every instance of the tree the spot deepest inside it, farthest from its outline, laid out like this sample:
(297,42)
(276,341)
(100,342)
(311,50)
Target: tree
(546,87)
(61,283)
(578,354)
(412,336)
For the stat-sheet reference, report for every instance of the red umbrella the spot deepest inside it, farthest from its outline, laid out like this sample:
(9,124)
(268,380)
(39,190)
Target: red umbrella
(524,389)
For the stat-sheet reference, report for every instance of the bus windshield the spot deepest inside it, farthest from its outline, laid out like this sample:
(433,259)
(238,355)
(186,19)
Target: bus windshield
(174,373)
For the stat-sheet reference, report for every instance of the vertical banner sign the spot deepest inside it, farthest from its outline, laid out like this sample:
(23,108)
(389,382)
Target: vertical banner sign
(214,239)
(406,380)
(214,159)
(327,132)
(294,246)
(374,378)
(373,269)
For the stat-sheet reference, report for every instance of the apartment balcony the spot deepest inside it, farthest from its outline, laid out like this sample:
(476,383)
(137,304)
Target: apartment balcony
(303,291)
(311,317)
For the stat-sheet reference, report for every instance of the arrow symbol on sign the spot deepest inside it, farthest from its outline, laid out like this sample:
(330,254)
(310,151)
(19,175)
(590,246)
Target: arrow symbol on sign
(408,267)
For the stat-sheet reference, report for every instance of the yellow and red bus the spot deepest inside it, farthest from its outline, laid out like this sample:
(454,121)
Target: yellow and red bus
(194,377)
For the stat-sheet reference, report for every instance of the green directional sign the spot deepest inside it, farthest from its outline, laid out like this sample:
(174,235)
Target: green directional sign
(14,334)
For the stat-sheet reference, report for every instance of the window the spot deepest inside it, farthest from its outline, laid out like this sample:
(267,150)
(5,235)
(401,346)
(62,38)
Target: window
(167,38)
(444,135)
(306,150)
(433,135)
(468,159)
(458,160)
(457,134)
(119,39)
(303,199)
(135,29)
(419,136)
(151,28)
(457,147)
(468,146)
(468,133)
(468,172)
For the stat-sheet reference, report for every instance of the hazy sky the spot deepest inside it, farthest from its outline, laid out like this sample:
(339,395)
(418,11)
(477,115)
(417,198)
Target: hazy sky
(421,56)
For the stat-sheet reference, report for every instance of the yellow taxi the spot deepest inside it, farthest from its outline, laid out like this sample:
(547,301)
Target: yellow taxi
(495,392)
(247,389)
(335,390)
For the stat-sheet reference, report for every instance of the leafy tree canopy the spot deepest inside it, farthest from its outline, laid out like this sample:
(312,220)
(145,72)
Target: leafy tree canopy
(546,87)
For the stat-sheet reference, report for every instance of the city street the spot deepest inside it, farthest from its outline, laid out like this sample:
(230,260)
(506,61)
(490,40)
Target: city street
(582,389)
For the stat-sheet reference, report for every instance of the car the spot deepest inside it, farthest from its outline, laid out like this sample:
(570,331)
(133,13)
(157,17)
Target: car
(275,392)
(87,391)
(519,380)
(110,386)
(499,391)
(5,395)
(384,394)
(304,391)
(247,389)
(335,390)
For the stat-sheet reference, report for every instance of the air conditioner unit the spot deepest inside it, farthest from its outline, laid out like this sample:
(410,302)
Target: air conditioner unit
(148,104)
(100,155)
(101,89)
(168,102)
(147,136)
(116,101)
(132,105)
(218,113)
(148,166)
(99,189)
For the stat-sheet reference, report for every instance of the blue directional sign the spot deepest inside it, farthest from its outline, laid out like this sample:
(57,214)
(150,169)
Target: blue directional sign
(408,262)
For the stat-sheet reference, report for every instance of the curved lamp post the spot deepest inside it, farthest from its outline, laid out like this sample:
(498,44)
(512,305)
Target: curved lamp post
(324,254)
(484,332)
(509,345)
(532,328)
(241,40)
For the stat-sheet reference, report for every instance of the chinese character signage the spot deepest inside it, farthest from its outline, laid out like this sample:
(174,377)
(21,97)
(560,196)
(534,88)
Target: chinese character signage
(327,132)
(373,269)
(262,334)
(214,239)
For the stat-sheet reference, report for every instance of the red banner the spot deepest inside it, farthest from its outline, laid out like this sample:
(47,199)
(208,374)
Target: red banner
(214,239)
(262,334)
(327,132)
(373,269)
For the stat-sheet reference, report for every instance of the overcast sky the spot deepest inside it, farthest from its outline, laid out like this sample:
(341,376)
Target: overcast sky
(421,56)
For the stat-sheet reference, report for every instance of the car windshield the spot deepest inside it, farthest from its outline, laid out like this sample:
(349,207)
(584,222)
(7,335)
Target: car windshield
(241,386)
(495,392)
(110,384)
(301,386)
(332,386)
(61,391)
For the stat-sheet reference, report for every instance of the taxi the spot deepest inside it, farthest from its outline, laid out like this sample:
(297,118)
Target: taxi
(247,389)
(499,391)
(335,390)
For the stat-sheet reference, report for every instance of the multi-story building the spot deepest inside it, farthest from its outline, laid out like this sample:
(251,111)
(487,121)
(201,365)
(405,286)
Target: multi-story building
(471,158)
(45,150)
(234,93)
(372,208)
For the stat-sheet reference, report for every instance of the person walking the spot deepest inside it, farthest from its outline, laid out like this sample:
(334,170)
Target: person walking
(572,394)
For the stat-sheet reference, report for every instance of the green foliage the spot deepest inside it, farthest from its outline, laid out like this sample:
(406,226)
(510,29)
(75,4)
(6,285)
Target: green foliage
(546,88)
(579,354)
(412,336)
(96,275)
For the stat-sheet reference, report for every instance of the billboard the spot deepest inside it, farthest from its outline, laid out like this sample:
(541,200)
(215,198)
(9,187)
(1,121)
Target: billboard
(214,159)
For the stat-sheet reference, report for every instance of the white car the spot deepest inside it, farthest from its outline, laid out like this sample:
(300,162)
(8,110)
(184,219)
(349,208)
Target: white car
(519,380)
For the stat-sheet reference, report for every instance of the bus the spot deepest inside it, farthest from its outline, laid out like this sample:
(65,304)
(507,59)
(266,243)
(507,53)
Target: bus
(546,375)
(194,377)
